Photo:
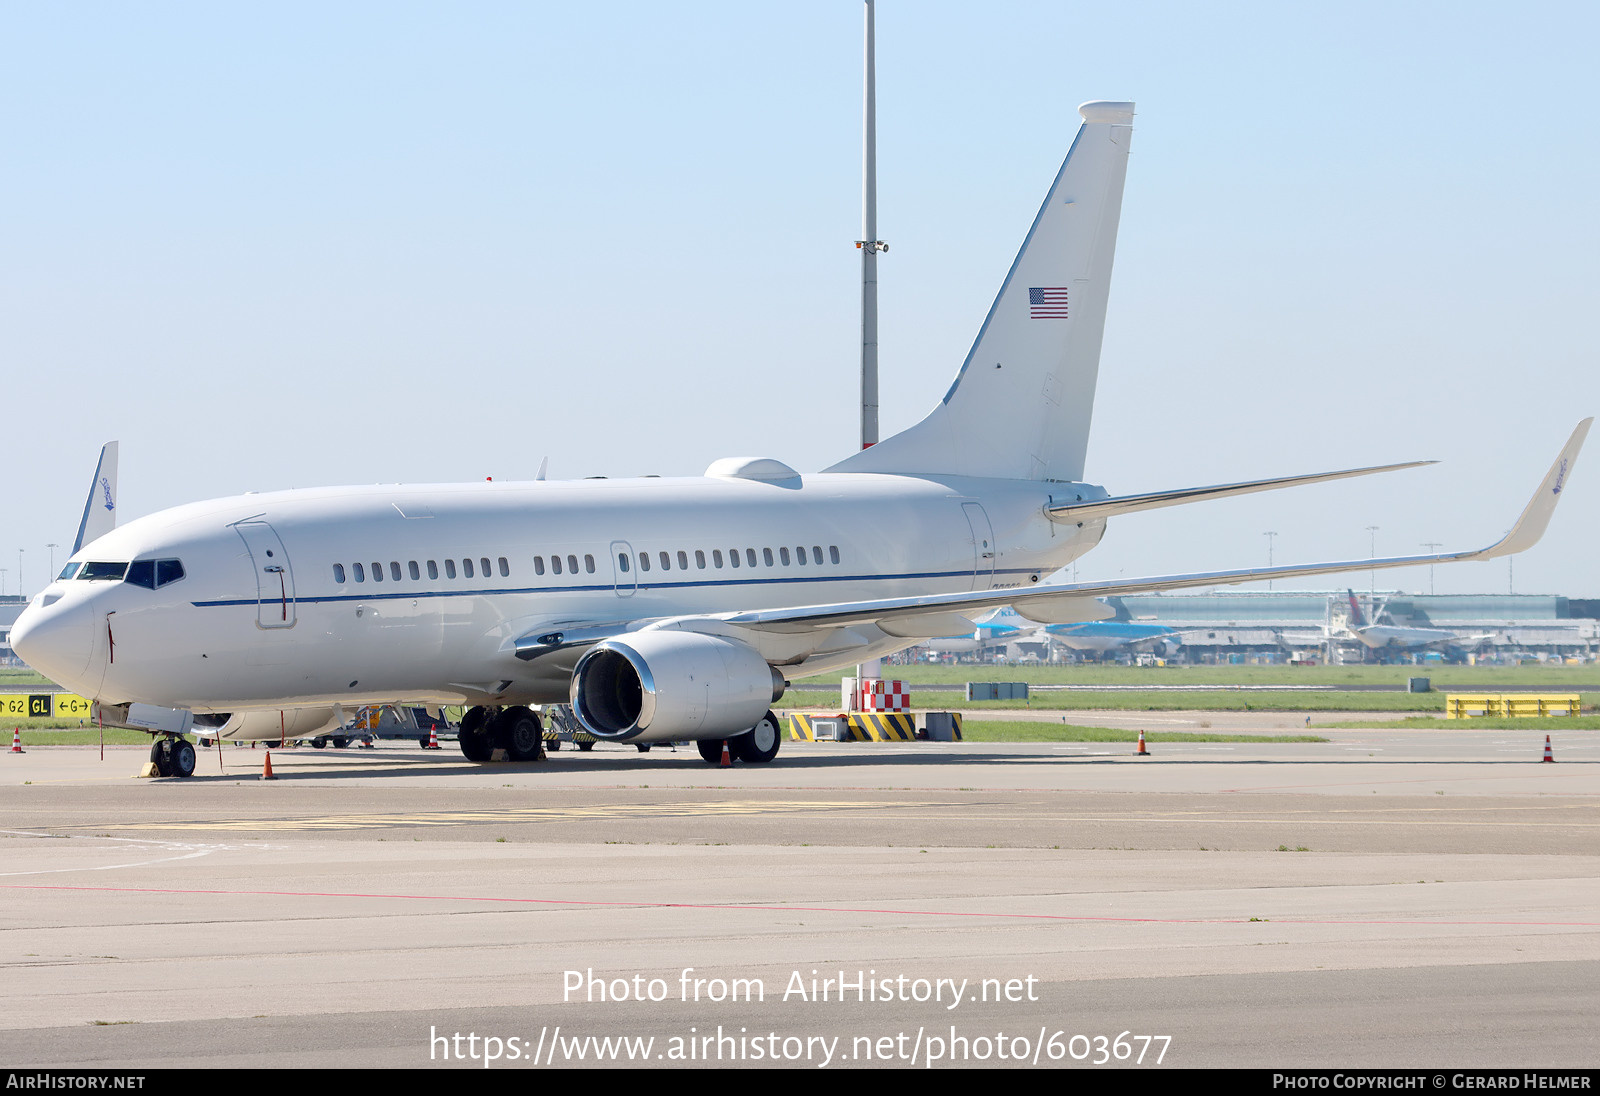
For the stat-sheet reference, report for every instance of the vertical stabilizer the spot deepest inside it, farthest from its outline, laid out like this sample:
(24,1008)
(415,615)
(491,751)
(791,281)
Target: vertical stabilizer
(1020,407)
(100,508)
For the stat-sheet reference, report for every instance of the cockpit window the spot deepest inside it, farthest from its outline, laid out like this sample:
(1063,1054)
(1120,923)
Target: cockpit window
(102,572)
(154,573)
(69,570)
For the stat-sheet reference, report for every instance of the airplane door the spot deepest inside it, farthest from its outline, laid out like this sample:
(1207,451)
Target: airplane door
(623,578)
(982,545)
(274,579)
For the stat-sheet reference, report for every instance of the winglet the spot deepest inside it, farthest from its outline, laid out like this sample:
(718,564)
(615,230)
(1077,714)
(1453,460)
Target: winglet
(100,508)
(1531,525)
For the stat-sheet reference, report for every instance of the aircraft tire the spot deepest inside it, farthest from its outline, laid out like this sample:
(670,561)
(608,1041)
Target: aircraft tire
(710,750)
(586,746)
(759,744)
(553,745)
(473,737)
(517,729)
(319,743)
(642,747)
(161,756)
(181,753)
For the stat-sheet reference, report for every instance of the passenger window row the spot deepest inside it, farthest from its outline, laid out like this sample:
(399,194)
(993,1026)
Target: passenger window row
(736,557)
(801,556)
(469,569)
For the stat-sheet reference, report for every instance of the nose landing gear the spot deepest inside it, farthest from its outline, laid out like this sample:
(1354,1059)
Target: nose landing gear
(172,755)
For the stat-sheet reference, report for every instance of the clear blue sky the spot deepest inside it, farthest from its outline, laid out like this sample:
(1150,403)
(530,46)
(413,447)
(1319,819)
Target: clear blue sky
(293,244)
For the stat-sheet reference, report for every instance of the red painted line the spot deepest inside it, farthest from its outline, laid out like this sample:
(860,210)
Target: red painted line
(852,910)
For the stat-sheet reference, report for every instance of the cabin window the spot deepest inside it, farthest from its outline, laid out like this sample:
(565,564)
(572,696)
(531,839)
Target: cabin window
(816,554)
(338,573)
(716,558)
(666,562)
(783,555)
(505,568)
(486,571)
(800,555)
(361,575)
(449,568)
(700,559)
(766,554)
(433,569)
(415,571)
(377,572)
(572,564)
(394,570)
(622,562)
(588,564)
(683,560)
(833,552)
(750,556)
(644,561)
(555,564)
(538,565)
(466,568)
(733,556)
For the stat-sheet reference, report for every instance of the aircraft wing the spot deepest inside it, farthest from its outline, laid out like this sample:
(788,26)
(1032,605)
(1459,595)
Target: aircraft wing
(933,615)
(1061,602)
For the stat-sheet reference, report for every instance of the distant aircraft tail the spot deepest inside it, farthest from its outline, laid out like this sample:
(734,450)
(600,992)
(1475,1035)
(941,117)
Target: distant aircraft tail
(100,508)
(1021,405)
(1356,619)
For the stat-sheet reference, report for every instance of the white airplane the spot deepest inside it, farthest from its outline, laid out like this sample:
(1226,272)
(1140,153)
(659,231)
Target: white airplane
(663,609)
(1377,636)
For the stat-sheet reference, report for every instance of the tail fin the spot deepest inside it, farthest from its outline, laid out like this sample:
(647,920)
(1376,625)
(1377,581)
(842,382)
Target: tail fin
(1356,619)
(100,508)
(1020,407)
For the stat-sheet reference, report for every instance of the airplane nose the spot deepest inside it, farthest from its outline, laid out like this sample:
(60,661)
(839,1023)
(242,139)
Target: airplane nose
(56,640)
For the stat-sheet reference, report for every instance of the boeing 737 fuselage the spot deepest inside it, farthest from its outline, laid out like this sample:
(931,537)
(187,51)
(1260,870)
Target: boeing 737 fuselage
(660,608)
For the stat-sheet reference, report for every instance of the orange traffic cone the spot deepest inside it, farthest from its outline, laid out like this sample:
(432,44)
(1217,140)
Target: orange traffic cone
(16,741)
(1142,751)
(266,768)
(433,738)
(727,761)
(1548,756)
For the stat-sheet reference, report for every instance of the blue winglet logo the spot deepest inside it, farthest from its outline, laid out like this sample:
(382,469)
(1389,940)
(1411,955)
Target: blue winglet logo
(105,486)
(1560,478)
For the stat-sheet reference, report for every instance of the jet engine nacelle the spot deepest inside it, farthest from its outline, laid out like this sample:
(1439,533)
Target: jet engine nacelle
(656,686)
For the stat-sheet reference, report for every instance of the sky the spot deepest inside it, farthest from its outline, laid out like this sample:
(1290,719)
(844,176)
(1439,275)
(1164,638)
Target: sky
(291,245)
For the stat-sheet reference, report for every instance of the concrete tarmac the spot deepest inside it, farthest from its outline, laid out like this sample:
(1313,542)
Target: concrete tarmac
(1386,898)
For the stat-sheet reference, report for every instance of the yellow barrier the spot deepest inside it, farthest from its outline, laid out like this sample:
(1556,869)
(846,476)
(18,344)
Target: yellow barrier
(1509,705)
(856,727)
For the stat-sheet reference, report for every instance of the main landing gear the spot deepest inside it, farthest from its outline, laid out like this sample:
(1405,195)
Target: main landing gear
(757,746)
(172,756)
(515,729)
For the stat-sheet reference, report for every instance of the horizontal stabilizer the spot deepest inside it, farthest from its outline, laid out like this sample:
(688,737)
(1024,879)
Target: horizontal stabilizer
(1097,509)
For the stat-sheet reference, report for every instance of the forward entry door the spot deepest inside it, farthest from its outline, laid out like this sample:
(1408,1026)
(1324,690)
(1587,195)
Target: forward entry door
(274,579)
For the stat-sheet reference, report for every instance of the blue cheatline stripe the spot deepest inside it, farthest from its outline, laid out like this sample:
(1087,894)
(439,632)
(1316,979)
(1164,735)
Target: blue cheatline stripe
(402,594)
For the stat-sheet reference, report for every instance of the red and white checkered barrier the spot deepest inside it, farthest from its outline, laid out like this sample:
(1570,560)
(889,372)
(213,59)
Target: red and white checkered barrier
(884,696)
